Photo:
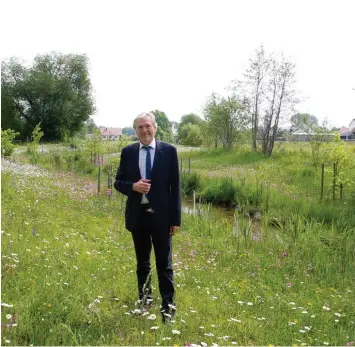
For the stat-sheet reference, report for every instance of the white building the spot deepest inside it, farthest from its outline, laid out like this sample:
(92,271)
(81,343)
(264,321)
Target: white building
(110,133)
(352,126)
(348,133)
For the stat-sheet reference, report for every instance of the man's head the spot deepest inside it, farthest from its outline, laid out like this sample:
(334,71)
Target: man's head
(145,127)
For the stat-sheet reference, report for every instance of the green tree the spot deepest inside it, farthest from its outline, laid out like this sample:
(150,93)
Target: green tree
(55,91)
(94,145)
(12,72)
(123,141)
(164,131)
(88,128)
(91,126)
(190,118)
(339,159)
(7,147)
(268,92)
(174,128)
(191,135)
(255,77)
(305,121)
(209,130)
(227,119)
(340,154)
(319,143)
(37,134)
(129,131)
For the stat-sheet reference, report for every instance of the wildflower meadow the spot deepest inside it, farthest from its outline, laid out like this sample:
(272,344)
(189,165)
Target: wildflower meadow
(68,268)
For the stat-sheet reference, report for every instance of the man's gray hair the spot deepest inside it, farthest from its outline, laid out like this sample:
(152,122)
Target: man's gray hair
(143,115)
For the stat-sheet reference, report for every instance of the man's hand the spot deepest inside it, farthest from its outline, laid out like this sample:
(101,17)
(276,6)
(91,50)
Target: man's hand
(173,229)
(142,186)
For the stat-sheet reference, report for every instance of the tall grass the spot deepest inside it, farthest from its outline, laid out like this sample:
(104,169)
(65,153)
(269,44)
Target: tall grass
(190,182)
(68,275)
(220,156)
(221,192)
(282,184)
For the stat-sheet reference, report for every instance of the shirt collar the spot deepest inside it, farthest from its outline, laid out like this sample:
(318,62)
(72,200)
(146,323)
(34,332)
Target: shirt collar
(152,144)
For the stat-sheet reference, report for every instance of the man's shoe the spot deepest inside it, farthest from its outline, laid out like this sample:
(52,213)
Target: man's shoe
(148,303)
(145,303)
(168,315)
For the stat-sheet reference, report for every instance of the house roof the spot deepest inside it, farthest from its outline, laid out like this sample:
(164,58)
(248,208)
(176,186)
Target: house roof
(348,133)
(343,130)
(110,131)
(350,128)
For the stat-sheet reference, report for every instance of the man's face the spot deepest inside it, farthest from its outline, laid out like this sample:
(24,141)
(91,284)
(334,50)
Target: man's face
(145,130)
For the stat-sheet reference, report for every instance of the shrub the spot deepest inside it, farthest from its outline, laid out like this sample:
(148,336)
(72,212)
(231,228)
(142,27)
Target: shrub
(224,192)
(190,182)
(7,147)
(57,158)
(37,134)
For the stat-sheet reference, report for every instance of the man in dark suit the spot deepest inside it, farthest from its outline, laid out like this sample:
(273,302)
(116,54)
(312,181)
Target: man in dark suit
(149,175)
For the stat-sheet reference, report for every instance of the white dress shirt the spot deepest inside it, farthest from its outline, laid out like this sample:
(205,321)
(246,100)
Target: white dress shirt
(142,161)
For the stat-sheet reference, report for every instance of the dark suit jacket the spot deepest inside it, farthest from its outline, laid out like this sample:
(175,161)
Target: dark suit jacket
(165,193)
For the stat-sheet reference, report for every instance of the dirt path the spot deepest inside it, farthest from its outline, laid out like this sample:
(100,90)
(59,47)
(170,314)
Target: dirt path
(77,187)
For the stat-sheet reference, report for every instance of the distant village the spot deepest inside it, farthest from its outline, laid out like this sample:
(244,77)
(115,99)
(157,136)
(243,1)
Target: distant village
(113,134)
(346,133)
(110,133)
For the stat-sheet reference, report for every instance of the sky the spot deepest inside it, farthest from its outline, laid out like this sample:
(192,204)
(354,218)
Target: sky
(171,55)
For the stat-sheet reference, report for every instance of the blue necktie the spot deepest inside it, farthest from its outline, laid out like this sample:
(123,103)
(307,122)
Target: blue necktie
(148,166)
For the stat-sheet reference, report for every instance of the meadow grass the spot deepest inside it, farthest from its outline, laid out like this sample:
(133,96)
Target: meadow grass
(284,184)
(68,274)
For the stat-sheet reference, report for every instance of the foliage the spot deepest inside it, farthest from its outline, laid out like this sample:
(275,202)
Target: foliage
(122,142)
(226,118)
(319,146)
(304,121)
(91,126)
(287,177)
(190,182)
(88,128)
(55,90)
(268,93)
(190,118)
(37,134)
(209,135)
(7,146)
(191,135)
(342,159)
(128,131)
(254,80)
(328,148)
(175,127)
(209,130)
(95,145)
(280,96)
(164,131)
(221,192)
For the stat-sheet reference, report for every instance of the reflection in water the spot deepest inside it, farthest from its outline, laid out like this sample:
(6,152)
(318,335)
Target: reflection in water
(205,208)
(248,225)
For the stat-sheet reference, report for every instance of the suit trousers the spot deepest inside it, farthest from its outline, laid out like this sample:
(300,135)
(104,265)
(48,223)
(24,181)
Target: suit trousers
(146,234)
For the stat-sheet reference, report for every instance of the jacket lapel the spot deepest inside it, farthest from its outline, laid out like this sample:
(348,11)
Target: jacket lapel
(136,161)
(157,156)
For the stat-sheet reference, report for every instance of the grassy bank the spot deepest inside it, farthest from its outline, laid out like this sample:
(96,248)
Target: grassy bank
(284,185)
